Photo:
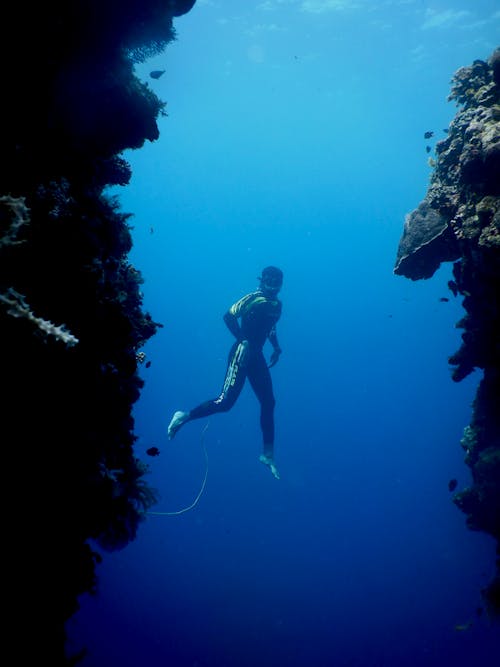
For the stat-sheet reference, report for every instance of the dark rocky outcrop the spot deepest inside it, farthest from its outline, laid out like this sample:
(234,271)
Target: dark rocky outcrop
(459,220)
(71,315)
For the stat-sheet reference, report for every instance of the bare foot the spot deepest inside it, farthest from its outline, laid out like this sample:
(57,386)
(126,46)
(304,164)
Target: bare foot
(270,463)
(177,421)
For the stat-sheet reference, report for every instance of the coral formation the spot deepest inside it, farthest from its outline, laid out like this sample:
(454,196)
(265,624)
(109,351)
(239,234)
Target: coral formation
(459,221)
(72,104)
(17,307)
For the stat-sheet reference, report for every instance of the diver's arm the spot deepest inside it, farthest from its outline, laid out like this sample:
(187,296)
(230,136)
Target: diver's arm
(273,339)
(232,324)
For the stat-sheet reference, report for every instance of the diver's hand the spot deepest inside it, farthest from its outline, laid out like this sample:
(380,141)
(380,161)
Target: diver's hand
(274,358)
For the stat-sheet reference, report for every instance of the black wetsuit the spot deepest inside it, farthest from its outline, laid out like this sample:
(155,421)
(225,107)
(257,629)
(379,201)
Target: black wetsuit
(258,314)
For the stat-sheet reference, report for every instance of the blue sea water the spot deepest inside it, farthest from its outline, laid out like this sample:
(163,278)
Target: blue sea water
(295,137)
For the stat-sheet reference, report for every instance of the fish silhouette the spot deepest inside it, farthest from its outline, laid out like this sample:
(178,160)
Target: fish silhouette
(462,627)
(156,73)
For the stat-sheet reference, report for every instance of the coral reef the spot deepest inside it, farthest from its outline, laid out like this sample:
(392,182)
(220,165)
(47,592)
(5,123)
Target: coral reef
(459,221)
(71,311)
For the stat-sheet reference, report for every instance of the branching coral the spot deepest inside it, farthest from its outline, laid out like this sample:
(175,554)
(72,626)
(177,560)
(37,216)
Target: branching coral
(17,307)
(13,216)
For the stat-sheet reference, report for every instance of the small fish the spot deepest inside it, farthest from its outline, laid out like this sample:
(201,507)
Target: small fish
(444,299)
(445,130)
(148,364)
(156,73)
(452,485)
(462,627)
(428,134)
(428,149)
(452,285)
(153,451)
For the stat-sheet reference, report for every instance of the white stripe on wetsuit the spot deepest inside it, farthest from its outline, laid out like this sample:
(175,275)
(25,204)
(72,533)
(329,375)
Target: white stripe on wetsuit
(232,370)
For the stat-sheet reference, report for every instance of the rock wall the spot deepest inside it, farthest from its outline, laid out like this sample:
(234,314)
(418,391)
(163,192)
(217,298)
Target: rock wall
(459,221)
(71,313)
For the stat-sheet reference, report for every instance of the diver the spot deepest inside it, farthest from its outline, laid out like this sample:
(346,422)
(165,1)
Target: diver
(252,321)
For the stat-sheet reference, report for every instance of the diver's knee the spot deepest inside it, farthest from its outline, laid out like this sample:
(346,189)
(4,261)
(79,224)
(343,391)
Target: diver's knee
(224,406)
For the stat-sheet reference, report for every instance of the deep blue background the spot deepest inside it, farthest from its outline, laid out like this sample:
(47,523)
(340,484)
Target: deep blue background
(294,137)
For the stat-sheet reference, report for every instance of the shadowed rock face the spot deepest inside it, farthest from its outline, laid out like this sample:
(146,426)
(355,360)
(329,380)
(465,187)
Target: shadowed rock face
(427,241)
(459,220)
(180,7)
(71,312)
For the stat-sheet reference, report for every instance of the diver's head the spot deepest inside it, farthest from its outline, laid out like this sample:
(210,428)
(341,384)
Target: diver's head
(271,280)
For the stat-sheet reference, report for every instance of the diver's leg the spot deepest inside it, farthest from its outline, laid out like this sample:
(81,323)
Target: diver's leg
(260,380)
(233,384)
